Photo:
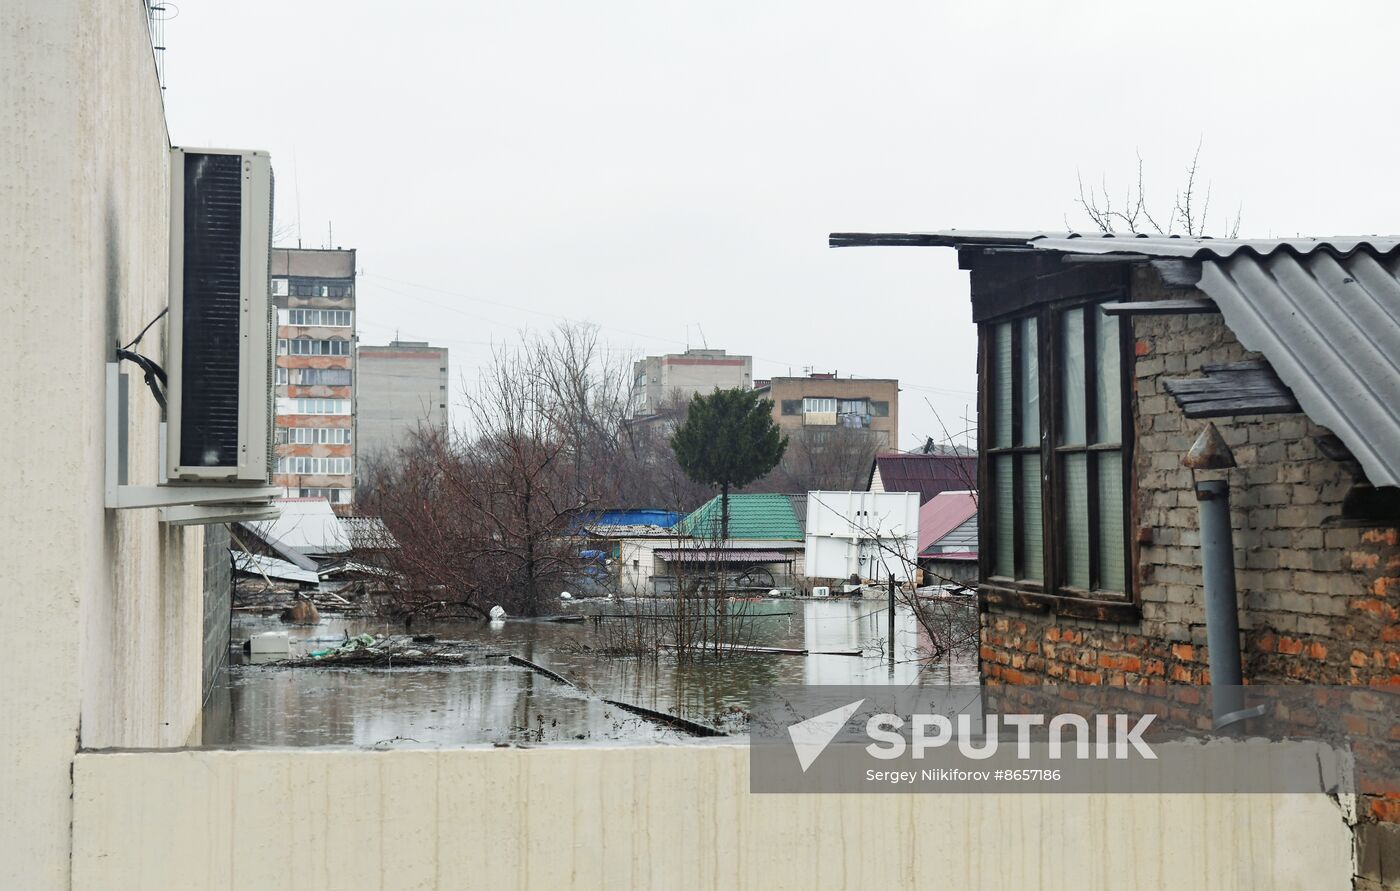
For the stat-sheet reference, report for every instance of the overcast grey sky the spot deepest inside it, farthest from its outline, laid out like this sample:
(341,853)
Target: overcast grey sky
(651,167)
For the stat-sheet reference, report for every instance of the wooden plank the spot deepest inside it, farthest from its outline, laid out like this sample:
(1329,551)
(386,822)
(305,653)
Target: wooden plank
(1176,307)
(1236,388)
(1068,607)
(1228,408)
(673,721)
(1178,273)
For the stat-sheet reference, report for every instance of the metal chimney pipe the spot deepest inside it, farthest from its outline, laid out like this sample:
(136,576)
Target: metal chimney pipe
(1222,606)
(1210,452)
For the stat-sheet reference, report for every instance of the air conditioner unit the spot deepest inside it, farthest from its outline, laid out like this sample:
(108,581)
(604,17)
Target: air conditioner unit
(821,590)
(221,325)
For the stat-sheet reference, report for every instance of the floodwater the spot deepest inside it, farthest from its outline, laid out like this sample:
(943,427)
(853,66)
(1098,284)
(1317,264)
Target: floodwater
(495,702)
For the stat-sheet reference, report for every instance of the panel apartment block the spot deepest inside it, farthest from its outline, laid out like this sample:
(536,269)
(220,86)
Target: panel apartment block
(314,291)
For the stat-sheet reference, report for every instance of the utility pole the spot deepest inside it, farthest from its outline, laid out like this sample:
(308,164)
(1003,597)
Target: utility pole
(891,617)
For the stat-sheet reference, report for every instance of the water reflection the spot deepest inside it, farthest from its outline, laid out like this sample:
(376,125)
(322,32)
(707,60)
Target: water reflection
(494,702)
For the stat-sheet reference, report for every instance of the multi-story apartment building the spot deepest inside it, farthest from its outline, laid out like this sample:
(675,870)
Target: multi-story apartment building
(677,377)
(401,388)
(314,291)
(827,402)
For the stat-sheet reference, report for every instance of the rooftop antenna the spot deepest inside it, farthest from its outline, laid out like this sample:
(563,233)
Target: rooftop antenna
(296,187)
(703,341)
(330,235)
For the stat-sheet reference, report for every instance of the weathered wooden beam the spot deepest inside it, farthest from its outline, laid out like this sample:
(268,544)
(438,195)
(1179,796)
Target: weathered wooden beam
(1160,307)
(1176,273)
(1236,388)
(1104,258)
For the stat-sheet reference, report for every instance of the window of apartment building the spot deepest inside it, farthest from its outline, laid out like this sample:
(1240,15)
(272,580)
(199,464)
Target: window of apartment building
(320,377)
(317,288)
(279,287)
(307,465)
(305,346)
(818,404)
(307,406)
(334,496)
(281,378)
(853,412)
(313,435)
(324,318)
(1055,450)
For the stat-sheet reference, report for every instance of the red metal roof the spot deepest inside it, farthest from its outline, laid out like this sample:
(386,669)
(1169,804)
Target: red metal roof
(942,514)
(926,474)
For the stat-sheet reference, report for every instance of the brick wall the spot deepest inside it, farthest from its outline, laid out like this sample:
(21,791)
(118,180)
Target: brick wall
(218,603)
(1320,600)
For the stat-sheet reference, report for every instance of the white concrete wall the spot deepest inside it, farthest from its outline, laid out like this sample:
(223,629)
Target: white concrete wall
(642,550)
(651,817)
(100,611)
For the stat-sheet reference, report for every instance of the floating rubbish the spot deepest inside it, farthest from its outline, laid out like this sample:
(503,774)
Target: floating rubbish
(351,644)
(497,612)
(565,595)
(273,644)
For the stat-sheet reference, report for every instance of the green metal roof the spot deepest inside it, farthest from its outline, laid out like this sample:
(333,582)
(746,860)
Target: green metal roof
(750,517)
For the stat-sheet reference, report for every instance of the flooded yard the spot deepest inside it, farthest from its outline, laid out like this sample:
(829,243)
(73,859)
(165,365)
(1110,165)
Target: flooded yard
(493,701)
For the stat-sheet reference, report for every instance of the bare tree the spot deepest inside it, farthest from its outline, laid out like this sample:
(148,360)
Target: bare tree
(1190,212)
(835,459)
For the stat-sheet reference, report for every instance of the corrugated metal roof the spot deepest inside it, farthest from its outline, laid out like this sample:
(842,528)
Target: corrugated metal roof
(1102,243)
(259,565)
(799,509)
(943,513)
(1325,312)
(308,525)
(926,474)
(759,516)
(1330,327)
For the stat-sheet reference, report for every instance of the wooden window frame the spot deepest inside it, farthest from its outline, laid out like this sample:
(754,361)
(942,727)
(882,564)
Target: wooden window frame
(1052,592)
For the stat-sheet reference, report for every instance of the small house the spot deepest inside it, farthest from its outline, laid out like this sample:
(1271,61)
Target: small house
(948,538)
(927,473)
(762,551)
(1102,358)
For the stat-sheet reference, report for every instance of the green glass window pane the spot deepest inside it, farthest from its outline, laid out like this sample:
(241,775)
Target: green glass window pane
(1032,531)
(1108,379)
(1076,520)
(1112,573)
(1001,375)
(1072,377)
(1004,562)
(1030,384)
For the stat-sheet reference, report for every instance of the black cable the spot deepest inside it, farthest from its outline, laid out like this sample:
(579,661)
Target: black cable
(155,376)
(158,317)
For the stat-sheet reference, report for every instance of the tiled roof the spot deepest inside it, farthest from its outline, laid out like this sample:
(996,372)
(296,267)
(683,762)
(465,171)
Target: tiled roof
(750,516)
